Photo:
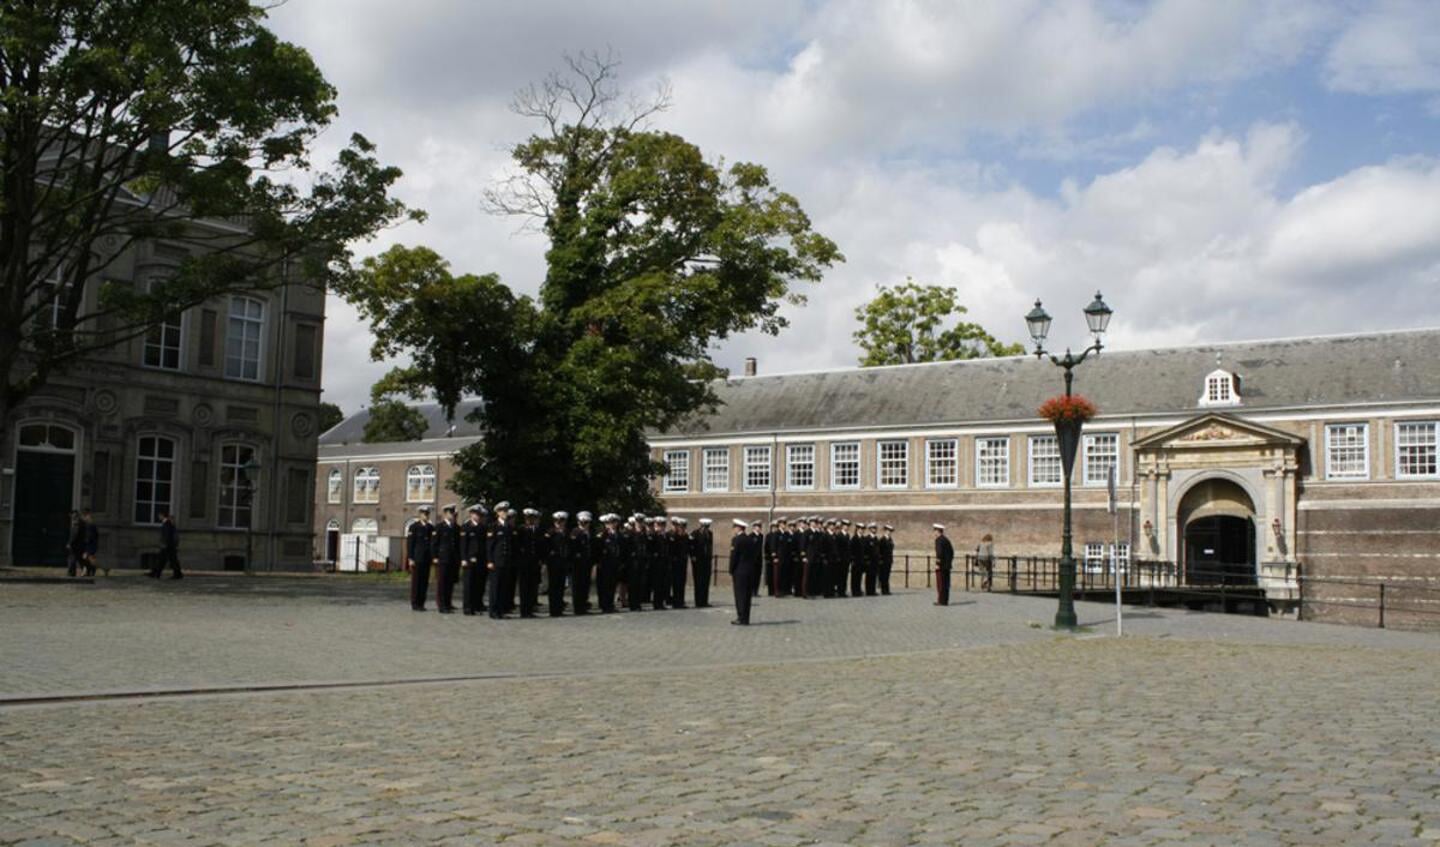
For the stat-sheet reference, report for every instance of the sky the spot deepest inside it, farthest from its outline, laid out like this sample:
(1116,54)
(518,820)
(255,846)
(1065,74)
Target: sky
(1220,169)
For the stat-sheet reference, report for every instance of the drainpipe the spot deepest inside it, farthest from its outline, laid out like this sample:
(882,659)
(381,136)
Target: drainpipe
(774,463)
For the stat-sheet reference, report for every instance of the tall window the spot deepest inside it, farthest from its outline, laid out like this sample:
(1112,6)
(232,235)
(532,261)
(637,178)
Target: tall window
(154,478)
(1415,449)
(55,291)
(942,463)
(367,486)
(992,462)
(419,484)
(1347,451)
(1097,557)
(757,468)
(162,344)
(678,463)
(237,487)
(1102,452)
(1045,461)
(800,466)
(893,459)
(335,486)
(243,333)
(845,465)
(717,469)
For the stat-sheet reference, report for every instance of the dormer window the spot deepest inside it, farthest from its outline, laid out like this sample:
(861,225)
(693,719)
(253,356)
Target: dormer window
(1222,388)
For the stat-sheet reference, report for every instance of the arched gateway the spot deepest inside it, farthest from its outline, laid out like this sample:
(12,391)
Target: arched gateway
(1216,517)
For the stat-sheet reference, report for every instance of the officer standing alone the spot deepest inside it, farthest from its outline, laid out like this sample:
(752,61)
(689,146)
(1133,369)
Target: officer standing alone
(743,572)
(944,559)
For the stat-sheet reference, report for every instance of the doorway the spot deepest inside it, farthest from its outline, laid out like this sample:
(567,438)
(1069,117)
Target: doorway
(45,472)
(1220,550)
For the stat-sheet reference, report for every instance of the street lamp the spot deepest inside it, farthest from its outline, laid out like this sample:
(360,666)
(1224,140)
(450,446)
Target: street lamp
(247,492)
(1067,433)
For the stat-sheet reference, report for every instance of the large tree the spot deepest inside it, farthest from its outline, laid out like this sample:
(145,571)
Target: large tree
(655,253)
(911,323)
(185,121)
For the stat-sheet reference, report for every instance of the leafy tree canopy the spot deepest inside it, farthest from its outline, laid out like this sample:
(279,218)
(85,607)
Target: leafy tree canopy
(393,420)
(185,121)
(907,324)
(330,416)
(655,253)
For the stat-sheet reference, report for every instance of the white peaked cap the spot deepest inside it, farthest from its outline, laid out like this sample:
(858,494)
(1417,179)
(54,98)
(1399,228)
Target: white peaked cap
(739,523)
(939,526)
(561,516)
(705,521)
(584,516)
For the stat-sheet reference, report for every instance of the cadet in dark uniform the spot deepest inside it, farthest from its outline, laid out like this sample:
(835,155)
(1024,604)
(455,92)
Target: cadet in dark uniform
(657,546)
(500,559)
(815,560)
(679,554)
(742,572)
(530,543)
(583,552)
(859,557)
(872,559)
(887,558)
(169,548)
(557,563)
(702,548)
(944,558)
(472,561)
(445,542)
(770,548)
(418,557)
(75,547)
(637,562)
(611,560)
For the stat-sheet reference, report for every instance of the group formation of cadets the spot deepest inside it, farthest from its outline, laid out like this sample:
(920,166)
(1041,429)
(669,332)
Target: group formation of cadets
(632,563)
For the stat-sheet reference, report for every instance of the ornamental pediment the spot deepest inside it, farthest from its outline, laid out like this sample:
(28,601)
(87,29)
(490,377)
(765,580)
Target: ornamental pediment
(1214,431)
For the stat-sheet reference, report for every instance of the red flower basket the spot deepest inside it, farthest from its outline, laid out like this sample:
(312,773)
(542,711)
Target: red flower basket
(1071,409)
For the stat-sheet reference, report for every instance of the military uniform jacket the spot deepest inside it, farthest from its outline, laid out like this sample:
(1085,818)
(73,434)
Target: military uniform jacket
(702,546)
(417,541)
(583,552)
(557,548)
(887,549)
(472,543)
(612,550)
(92,538)
(944,553)
(501,545)
(530,545)
(169,536)
(445,542)
(679,547)
(737,552)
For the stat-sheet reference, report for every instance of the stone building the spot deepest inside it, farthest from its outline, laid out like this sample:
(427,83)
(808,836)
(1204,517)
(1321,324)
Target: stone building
(1252,461)
(212,415)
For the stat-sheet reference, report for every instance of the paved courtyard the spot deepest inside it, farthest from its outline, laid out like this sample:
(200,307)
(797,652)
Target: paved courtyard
(885,721)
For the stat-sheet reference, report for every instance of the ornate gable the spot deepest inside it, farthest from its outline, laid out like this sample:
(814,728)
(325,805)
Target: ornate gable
(1217,430)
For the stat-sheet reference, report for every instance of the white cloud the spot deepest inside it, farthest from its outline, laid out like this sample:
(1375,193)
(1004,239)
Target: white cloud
(1391,48)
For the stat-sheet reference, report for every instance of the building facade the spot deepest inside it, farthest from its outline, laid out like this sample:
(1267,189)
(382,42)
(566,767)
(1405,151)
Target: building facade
(212,415)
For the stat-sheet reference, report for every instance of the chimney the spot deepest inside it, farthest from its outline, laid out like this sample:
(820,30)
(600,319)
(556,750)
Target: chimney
(749,365)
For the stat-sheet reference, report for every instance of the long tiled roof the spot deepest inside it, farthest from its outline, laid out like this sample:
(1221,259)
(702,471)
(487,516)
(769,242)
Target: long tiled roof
(1286,373)
(352,429)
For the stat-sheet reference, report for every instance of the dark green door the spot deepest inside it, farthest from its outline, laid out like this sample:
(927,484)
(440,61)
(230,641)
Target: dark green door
(44,496)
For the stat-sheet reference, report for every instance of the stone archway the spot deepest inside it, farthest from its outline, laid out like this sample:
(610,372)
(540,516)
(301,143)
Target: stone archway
(1216,517)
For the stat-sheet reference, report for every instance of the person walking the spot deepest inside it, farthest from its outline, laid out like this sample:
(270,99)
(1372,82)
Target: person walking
(985,556)
(169,548)
(75,546)
(944,560)
(92,543)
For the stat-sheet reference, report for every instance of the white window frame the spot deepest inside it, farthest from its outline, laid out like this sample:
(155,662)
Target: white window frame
(178,348)
(981,459)
(244,323)
(366,487)
(1332,450)
(234,487)
(1095,557)
(1221,388)
(948,477)
(900,462)
(154,504)
(758,460)
(1417,426)
(678,479)
(800,457)
(56,280)
(851,462)
(1054,443)
(1087,444)
(416,477)
(335,487)
(715,475)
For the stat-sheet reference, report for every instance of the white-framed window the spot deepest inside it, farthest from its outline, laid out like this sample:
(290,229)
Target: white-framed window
(55,289)
(1122,556)
(154,478)
(717,469)
(163,344)
(335,486)
(1415,449)
(800,467)
(845,465)
(237,487)
(367,485)
(1347,451)
(992,462)
(677,462)
(1102,452)
(942,463)
(1045,469)
(419,484)
(369,526)
(892,464)
(757,468)
(1095,557)
(243,333)
(1222,388)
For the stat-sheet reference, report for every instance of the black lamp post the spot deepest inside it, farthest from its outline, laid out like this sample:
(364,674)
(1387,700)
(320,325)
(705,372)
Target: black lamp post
(1067,434)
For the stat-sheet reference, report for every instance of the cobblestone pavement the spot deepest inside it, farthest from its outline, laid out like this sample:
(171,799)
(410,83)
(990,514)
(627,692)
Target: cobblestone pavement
(1058,742)
(128,633)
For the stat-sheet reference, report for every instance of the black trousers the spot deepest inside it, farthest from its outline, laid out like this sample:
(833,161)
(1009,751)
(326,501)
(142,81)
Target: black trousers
(636,584)
(700,570)
(580,588)
(772,577)
(446,573)
(885,566)
(745,584)
(872,575)
(837,576)
(495,580)
(677,584)
(472,588)
(419,583)
(529,580)
(606,577)
(857,578)
(659,583)
(942,586)
(555,588)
